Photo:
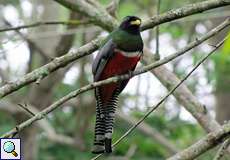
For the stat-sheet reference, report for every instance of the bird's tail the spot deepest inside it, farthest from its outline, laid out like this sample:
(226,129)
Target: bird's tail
(109,121)
(105,115)
(99,139)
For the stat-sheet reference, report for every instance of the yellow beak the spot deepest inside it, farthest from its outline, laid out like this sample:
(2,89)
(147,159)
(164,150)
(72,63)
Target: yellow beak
(136,22)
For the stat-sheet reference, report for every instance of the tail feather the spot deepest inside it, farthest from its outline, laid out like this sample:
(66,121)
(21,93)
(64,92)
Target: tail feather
(99,139)
(105,115)
(109,121)
(108,145)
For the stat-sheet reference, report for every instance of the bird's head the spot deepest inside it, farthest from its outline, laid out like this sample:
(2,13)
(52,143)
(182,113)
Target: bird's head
(131,24)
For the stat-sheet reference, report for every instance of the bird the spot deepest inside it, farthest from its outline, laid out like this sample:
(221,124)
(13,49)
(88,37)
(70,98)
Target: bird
(118,54)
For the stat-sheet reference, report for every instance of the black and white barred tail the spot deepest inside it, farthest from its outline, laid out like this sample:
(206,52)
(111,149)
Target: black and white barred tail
(105,114)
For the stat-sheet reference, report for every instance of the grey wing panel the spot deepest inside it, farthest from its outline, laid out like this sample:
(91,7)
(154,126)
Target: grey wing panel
(105,53)
(100,68)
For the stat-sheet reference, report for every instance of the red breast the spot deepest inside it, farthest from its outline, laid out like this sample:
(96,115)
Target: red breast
(119,64)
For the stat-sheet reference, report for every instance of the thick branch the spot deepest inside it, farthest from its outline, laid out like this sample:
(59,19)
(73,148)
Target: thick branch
(42,72)
(165,97)
(99,17)
(107,22)
(45,70)
(150,23)
(206,143)
(185,97)
(222,150)
(70,61)
(62,61)
(50,132)
(73,94)
(184,11)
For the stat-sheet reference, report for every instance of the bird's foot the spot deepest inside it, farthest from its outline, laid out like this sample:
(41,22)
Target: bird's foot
(130,73)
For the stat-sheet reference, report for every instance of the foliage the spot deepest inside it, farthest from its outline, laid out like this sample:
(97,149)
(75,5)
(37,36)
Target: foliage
(222,64)
(68,119)
(176,130)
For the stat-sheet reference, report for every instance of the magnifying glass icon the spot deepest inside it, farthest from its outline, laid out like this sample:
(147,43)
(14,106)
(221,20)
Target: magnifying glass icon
(9,147)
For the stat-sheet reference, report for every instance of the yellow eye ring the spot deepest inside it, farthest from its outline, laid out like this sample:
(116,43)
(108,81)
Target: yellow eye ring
(136,22)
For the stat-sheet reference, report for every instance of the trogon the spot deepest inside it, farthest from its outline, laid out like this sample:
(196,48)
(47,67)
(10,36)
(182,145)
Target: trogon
(118,55)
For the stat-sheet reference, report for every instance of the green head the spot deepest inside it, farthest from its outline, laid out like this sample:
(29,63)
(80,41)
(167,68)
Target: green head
(127,36)
(131,24)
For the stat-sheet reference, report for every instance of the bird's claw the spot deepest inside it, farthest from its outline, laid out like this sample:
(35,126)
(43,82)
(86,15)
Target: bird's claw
(130,73)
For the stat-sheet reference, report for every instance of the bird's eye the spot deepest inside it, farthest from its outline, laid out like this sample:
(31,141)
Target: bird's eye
(136,22)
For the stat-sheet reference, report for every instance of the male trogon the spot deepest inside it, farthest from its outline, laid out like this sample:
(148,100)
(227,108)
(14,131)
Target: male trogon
(118,55)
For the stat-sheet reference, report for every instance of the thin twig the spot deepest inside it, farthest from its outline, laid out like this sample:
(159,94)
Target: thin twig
(45,70)
(25,107)
(37,24)
(164,98)
(33,44)
(149,130)
(62,61)
(157,54)
(179,13)
(50,132)
(75,93)
(222,149)
(184,11)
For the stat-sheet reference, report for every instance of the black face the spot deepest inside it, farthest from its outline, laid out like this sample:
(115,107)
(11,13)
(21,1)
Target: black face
(131,24)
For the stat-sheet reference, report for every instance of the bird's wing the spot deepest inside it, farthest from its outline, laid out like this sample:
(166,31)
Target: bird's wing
(105,53)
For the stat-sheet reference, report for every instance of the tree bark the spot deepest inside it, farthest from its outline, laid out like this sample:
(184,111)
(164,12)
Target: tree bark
(41,95)
(222,77)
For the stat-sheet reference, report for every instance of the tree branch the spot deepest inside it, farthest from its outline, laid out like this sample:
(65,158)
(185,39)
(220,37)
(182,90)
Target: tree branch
(222,149)
(29,41)
(93,48)
(42,23)
(150,131)
(57,64)
(206,143)
(184,12)
(185,97)
(152,22)
(73,94)
(50,132)
(44,71)
(99,16)
(112,8)
(108,22)
(62,61)
(164,98)
(157,54)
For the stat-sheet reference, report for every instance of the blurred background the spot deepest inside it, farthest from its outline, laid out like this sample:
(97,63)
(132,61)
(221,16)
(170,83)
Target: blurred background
(67,133)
